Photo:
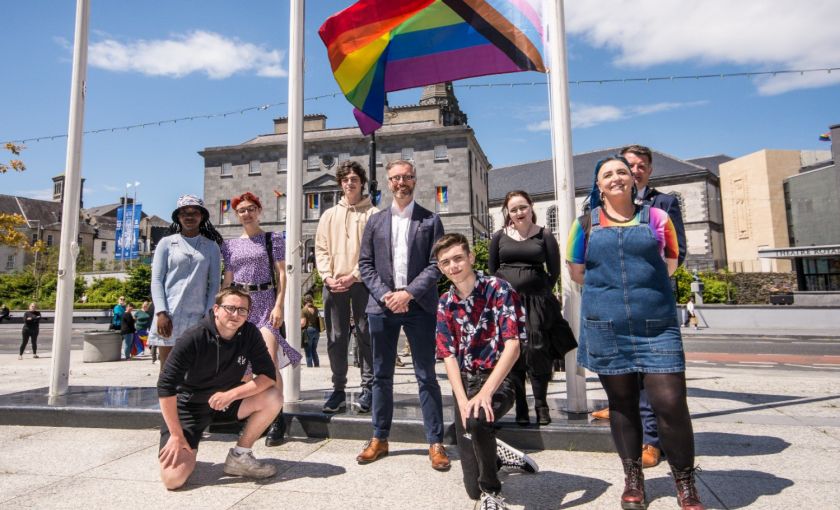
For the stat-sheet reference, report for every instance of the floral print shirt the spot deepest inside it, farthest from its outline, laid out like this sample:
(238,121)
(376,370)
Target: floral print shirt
(475,329)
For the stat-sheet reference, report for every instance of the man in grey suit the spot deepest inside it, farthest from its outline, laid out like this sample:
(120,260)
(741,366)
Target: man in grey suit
(399,268)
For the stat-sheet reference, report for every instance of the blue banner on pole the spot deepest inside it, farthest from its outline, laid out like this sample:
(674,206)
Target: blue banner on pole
(128,232)
(118,238)
(135,232)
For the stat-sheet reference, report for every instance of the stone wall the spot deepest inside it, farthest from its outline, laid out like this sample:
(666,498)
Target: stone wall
(754,288)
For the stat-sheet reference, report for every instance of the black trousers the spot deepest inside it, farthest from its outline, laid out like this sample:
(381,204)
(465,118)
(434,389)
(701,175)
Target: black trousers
(539,385)
(27,335)
(478,455)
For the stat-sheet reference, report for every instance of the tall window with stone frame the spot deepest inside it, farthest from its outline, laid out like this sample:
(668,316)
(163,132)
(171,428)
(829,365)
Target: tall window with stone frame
(551,219)
(407,154)
(342,157)
(282,165)
(312,205)
(10,262)
(227,169)
(680,201)
(281,208)
(313,162)
(254,167)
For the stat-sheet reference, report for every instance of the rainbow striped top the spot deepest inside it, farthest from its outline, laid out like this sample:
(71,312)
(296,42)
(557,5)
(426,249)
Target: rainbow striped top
(660,224)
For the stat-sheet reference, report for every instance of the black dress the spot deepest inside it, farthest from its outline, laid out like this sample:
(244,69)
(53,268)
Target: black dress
(522,264)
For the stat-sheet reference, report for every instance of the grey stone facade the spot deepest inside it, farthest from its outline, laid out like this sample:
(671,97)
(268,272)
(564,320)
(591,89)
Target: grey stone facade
(434,134)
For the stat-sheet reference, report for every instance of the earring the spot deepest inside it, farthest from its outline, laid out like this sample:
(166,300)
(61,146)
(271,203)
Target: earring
(602,197)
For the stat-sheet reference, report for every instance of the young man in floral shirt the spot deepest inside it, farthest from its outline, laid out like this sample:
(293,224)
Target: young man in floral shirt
(479,326)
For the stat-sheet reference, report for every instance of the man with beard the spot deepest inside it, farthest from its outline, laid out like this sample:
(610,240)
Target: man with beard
(399,268)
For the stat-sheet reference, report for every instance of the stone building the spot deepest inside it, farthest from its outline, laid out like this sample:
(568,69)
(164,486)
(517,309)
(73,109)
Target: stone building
(753,197)
(434,134)
(695,183)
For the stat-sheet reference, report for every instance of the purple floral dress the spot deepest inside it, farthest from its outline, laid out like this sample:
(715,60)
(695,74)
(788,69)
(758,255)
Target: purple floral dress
(247,258)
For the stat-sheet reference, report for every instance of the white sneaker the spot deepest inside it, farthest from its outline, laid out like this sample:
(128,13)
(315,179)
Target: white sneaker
(490,501)
(511,457)
(247,465)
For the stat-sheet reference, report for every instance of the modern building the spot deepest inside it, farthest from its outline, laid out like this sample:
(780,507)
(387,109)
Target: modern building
(754,208)
(451,167)
(695,183)
(812,213)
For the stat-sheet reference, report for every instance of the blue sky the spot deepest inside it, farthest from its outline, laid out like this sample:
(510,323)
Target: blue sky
(156,60)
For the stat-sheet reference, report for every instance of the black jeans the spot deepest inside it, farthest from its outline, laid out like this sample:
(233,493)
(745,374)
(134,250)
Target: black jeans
(27,335)
(478,455)
(337,307)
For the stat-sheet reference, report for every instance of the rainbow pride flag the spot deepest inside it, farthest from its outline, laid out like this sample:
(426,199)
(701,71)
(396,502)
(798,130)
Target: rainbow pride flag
(442,195)
(312,202)
(826,137)
(380,46)
(281,195)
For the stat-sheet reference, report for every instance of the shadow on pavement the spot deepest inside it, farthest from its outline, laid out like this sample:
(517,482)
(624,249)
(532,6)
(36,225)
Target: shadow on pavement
(733,488)
(762,407)
(721,444)
(547,489)
(207,473)
(746,398)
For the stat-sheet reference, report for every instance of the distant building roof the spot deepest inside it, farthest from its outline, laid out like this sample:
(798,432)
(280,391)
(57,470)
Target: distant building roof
(109,210)
(712,162)
(157,221)
(45,213)
(537,177)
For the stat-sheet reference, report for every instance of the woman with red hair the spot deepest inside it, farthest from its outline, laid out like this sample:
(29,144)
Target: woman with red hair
(255,262)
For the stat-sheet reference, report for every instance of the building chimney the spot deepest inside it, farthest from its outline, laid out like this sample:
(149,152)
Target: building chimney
(316,122)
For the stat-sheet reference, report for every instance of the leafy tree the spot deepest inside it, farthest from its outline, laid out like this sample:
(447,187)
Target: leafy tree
(138,287)
(481,250)
(9,223)
(106,290)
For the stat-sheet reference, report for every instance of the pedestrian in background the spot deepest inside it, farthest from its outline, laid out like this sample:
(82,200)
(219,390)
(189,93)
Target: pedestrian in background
(142,323)
(127,330)
(31,326)
(119,310)
(186,274)
(690,316)
(4,313)
(310,324)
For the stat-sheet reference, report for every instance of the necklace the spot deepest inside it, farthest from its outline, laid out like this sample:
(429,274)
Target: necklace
(188,254)
(519,237)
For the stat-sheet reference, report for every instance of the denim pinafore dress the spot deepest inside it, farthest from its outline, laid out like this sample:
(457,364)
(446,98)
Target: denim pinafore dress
(628,309)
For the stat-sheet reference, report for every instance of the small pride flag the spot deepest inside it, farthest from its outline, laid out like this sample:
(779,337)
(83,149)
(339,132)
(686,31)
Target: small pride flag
(313,201)
(281,195)
(442,195)
(826,137)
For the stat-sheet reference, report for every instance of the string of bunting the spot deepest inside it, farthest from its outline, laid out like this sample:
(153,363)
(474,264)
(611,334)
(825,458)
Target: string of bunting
(241,111)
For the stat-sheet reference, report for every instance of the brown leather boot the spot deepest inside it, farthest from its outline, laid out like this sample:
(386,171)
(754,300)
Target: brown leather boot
(603,414)
(374,449)
(633,497)
(439,458)
(650,455)
(686,489)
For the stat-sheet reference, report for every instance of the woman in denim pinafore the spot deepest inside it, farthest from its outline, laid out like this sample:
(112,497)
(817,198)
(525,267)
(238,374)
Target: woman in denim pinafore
(623,255)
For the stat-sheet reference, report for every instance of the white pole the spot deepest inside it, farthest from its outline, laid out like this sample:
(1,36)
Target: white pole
(564,189)
(131,232)
(121,242)
(294,195)
(68,247)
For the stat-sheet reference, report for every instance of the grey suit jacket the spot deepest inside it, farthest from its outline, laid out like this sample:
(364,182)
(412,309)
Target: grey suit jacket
(376,259)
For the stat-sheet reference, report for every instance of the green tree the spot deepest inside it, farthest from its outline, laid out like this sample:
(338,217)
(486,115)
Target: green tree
(481,250)
(106,290)
(138,287)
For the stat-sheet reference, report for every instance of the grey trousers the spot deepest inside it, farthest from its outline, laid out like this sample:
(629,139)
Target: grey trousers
(337,306)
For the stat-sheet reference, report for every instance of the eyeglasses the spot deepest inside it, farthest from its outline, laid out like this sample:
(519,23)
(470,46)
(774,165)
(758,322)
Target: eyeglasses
(244,210)
(401,178)
(236,310)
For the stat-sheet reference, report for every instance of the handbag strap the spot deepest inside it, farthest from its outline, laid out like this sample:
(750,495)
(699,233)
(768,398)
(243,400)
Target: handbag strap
(270,251)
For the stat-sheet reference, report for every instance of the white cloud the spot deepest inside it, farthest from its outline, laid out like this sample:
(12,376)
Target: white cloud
(588,115)
(763,34)
(110,188)
(37,194)
(204,52)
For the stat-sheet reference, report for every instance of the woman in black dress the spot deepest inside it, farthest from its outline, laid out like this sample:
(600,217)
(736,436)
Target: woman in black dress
(31,326)
(519,254)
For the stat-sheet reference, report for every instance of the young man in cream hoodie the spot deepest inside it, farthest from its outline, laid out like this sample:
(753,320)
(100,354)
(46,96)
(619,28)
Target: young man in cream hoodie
(337,256)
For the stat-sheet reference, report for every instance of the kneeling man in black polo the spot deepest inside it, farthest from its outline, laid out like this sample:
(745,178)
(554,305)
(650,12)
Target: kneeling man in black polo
(201,384)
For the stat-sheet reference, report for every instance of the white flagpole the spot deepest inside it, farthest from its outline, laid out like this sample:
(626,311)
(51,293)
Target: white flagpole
(294,195)
(69,247)
(564,189)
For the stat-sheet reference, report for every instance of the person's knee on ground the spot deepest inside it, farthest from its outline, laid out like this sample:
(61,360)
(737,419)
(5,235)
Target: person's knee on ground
(174,477)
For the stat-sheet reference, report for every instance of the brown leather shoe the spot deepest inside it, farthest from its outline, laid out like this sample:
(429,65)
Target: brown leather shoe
(650,455)
(440,461)
(399,362)
(603,414)
(374,449)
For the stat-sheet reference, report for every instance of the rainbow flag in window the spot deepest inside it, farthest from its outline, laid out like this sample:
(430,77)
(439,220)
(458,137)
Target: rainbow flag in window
(312,201)
(826,137)
(442,195)
(379,46)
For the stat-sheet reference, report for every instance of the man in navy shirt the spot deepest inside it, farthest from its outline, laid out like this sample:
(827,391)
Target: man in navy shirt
(480,323)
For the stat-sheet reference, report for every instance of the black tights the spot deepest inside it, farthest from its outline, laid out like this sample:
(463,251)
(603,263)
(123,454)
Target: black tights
(27,335)
(667,396)
(539,385)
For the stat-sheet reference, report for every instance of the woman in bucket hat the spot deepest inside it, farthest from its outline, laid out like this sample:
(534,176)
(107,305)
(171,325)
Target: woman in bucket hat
(186,274)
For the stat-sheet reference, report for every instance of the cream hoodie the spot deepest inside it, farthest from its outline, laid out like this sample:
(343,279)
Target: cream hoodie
(339,238)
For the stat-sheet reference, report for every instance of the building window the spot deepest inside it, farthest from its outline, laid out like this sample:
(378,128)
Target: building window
(378,157)
(34,239)
(407,154)
(103,247)
(313,206)
(342,157)
(490,223)
(58,187)
(49,239)
(282,165)
(442,199)
(680,201)
(227,169)
(254,167)
(225,212)
(440,152)
(281,208)
(10,262)
(314,162)
(551,219)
